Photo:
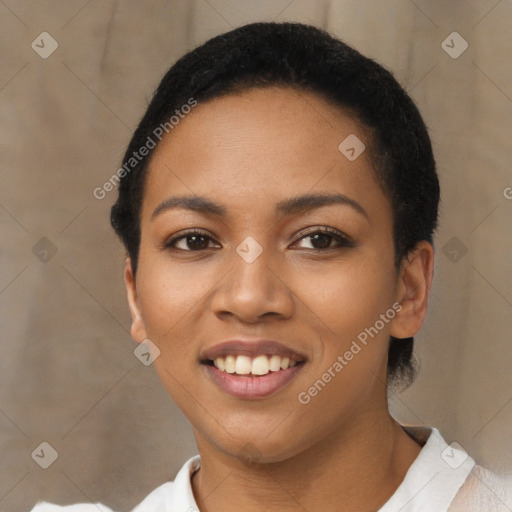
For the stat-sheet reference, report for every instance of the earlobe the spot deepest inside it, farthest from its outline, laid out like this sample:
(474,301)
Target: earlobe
(137,330)
(414,285)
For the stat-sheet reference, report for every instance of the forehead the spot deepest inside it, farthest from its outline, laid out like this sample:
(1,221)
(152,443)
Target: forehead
(262,145)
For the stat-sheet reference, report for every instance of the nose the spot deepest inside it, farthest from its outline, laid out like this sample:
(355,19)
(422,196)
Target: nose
(252,291)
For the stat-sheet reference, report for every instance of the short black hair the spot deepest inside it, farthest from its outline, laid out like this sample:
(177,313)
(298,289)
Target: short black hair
(309,59)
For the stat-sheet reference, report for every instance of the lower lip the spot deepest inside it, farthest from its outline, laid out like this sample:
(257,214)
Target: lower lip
(249,387)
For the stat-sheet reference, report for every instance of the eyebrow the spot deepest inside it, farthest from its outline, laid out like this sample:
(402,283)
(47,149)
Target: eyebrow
(293,205)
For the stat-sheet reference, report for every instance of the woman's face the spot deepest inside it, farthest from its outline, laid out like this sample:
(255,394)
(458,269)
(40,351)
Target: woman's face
(260,270)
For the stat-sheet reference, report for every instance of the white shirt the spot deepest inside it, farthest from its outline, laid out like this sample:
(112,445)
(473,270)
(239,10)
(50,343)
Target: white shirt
(443,478)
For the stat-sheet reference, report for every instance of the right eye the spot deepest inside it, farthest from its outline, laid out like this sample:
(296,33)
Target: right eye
(191,241)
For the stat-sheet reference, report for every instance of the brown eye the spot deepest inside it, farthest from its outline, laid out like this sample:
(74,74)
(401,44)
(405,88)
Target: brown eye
(189,242)
(196,242)
(322,239)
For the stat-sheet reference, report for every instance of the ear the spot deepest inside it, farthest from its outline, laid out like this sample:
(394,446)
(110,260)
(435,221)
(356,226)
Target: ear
(414,282)
(137,330)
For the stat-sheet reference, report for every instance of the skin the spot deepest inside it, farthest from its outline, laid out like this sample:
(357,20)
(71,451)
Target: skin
(248,152)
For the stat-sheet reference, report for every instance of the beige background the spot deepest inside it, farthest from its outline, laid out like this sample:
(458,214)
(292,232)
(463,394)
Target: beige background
(68,374)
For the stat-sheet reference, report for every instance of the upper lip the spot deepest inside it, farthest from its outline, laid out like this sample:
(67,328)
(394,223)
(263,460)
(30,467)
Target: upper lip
(250,348)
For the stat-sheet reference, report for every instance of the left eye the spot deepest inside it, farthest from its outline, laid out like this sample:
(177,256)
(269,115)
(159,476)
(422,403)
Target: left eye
(323,238)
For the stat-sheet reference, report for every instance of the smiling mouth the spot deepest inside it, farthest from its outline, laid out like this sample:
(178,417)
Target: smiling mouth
(252,366)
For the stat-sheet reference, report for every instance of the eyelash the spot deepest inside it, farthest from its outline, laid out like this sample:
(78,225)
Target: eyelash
(343,241)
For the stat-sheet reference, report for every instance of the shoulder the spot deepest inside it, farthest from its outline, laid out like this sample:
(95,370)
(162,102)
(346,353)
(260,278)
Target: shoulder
(155,501)
(484,490)
(176,493)
(44,506)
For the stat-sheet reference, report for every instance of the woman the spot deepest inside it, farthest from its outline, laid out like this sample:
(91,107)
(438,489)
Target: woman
(278,202)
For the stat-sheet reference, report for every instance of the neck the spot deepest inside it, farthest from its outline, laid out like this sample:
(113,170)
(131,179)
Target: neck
(353,469)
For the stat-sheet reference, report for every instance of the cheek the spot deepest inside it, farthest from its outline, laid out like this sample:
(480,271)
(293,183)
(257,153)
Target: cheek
(348,297)
(172,302)
(353,362)
(171,295)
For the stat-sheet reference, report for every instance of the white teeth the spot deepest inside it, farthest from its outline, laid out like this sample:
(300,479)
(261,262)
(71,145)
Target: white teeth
(275,363)
(243,365)
(220,363)
(260,365)
(230,364)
